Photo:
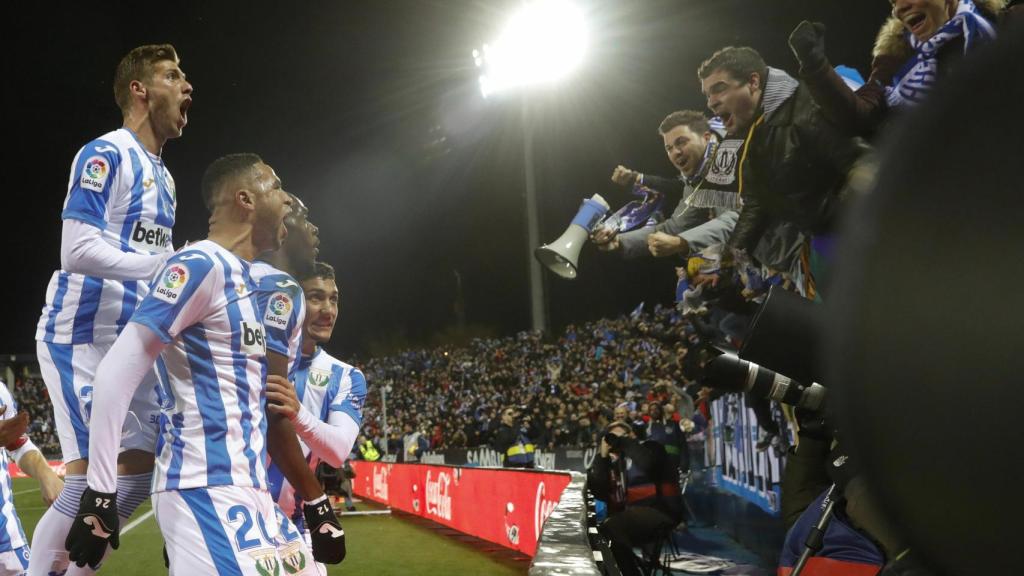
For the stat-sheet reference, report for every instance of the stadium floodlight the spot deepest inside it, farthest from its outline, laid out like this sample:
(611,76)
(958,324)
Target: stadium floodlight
(542,42)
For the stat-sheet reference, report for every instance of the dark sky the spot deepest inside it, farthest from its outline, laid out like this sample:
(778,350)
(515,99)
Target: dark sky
(349,101)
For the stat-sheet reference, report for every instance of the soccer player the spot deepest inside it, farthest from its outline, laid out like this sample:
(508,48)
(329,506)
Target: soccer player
(14,551)
(283,311)
(116,235)
(202,313)
(326,402)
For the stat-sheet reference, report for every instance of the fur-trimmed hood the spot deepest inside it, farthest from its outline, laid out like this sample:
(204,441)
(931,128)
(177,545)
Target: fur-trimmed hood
(892,38)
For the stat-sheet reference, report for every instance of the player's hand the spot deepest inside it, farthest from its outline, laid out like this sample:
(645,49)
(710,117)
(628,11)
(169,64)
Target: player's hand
(605,238)
(325,531)
(50,486)
(95,526)
(12,428)
(281,397)
(624,176)
(661,244)
(807,41)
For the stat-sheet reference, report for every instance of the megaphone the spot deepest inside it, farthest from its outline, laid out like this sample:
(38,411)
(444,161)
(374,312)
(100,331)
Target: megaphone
(562,255)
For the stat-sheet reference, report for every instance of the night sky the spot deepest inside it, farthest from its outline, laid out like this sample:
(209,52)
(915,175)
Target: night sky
(370,112)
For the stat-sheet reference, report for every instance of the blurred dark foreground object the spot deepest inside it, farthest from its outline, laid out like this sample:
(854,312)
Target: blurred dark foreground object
(925,331)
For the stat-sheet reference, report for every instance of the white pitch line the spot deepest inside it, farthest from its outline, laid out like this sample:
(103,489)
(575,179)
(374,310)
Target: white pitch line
(19,492)
(136,522)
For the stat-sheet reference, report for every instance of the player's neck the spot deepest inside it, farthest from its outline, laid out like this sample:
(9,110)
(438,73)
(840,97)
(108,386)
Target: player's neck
(278,259)
(235,237)
(143,130)
(308,347)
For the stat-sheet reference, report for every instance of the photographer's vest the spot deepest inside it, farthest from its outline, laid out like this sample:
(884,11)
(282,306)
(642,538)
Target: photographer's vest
(369,451)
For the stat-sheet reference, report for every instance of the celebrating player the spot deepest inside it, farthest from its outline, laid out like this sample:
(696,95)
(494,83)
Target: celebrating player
(283,311)
(14,551)
(202,313)
(327,400)
(116,235)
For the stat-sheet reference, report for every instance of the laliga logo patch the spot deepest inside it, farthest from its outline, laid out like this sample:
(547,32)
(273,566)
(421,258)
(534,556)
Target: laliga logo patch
(94,174)
(168,287)
(278,309)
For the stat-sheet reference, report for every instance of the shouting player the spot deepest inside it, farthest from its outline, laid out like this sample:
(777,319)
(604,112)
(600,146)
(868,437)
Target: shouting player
(116,235)
(326,403)
(202,313)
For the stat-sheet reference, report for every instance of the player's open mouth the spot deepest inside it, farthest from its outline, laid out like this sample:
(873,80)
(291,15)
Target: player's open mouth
(915,23)
(183,110)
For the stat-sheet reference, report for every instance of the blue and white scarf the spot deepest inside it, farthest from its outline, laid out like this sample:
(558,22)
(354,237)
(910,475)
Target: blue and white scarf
(914,82)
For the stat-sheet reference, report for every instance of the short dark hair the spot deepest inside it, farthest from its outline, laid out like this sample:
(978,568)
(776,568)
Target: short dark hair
(740,62)
(693,119)
(321,270)
(224,169)
(138,65)
(621,425)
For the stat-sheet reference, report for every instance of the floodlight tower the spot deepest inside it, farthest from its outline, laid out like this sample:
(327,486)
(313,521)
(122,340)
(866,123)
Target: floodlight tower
(542,42)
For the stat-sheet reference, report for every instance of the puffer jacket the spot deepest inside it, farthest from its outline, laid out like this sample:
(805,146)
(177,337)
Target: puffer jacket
(794,166)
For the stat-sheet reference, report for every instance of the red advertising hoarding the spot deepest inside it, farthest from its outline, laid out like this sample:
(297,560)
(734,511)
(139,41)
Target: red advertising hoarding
(507,507)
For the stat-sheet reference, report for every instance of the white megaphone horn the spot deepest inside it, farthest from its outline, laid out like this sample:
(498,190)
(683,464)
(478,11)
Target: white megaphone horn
(562,255)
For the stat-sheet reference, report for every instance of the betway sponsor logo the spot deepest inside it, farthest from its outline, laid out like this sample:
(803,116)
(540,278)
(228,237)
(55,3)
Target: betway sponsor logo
(380,482)
(439,501)
(483,457)
(149,237)
(541,510)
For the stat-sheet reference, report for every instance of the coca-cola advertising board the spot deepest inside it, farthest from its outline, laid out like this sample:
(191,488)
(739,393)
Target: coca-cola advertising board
(507,507)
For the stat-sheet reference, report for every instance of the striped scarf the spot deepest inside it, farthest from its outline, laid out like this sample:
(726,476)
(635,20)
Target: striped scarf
(914,82)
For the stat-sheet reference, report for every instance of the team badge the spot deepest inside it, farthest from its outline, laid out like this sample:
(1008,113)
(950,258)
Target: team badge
(318,377)
(723,167)
(293,558)
(171,283)
(267,563)
(279,309)
(94,174)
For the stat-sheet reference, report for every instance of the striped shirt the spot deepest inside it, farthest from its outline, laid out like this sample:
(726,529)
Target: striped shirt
(117,186)
(212,375)
(284,310)
(325,386)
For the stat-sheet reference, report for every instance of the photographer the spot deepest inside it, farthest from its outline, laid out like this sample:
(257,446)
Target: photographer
(640,483)
(513,442)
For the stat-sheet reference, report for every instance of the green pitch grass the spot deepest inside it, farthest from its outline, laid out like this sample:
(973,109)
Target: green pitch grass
(376,545)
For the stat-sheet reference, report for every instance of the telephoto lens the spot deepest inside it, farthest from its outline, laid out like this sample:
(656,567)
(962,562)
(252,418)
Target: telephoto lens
(729,373)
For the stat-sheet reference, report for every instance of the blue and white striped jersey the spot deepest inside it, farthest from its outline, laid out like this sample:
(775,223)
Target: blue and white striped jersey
(120,188)
(284,311)
(324,385)
(11,534)
(213,374)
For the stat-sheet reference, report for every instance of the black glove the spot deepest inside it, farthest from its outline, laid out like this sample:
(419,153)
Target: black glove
(95,526)
(807,41)
(325,531)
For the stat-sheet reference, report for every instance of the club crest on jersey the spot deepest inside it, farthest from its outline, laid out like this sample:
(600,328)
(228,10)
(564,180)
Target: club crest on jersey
(318,377)
(150,237)
(94,174)
(279,308)
(171,282)
(253,341)
(266,561)
(293,558)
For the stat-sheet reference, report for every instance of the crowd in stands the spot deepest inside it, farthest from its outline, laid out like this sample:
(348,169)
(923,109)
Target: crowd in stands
(564,391)
(31,395)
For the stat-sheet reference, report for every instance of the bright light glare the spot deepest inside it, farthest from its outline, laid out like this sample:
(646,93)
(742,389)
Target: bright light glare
(542,42)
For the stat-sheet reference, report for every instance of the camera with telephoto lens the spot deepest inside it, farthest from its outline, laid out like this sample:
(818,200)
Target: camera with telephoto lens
(330,478)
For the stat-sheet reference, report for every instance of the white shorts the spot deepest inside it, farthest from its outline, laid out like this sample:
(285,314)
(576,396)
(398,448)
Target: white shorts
(14,562)
(68,371)
(219,530)
(296,549)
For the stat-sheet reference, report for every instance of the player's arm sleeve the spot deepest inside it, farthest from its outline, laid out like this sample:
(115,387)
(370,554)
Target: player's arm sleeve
(330,441)
(179,295)
(634,243)
(83,251)
(91,186)
(117,378)
(30,459)
(713,232)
